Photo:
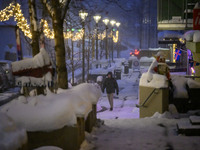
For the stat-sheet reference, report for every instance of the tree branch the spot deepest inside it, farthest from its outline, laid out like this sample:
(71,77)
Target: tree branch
(48,7)
(66,7)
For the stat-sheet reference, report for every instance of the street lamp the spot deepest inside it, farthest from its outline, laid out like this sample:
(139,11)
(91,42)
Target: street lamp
(83,15)
(118,24)
(97,18)
(112,22)
(106,21)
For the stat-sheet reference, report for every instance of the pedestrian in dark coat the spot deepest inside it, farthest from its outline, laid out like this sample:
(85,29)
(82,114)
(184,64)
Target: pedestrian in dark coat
(111,86)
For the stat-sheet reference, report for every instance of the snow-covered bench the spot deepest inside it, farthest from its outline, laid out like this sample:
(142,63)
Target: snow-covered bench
(56,119)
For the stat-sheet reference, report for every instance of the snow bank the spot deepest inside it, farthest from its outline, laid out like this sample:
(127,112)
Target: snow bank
(48,148)
(11,137)
(193,84)
(189,35)
(158,81)
(40,60)
(132,58)
(196,36)
(54,111)
(91,92)
(147,59)
(164,115)
(179,84)
(99,79)
(41,113)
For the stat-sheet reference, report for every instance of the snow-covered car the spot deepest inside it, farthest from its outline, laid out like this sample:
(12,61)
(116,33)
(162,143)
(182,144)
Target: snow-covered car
(6,66)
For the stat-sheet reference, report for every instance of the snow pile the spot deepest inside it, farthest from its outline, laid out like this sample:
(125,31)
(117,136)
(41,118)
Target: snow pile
(99,79)
(193,84)
(48,148)
(196,36)
(179,84)
(132,58)
(40,60)
(192,36)
(164,115)
(41,113)
(54,111)
(158,81)
(189,35)
(11,137)
(147,59)
(91,92)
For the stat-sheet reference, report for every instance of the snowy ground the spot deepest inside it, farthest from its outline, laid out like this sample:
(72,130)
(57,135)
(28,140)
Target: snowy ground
(124,103)
(123,130)
(8,95)
(139,134)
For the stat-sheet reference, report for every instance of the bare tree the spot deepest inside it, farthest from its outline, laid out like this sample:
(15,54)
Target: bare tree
(57,10)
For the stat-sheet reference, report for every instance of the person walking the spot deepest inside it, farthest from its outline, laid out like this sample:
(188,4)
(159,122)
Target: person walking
(110,84)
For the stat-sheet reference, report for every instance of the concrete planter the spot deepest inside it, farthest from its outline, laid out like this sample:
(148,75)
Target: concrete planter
(67,138)
(91,119)
(158,102)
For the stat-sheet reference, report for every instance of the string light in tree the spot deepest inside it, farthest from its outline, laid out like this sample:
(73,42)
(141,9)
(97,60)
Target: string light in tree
(7,12)
(21,21)
(47,32)
(115,38)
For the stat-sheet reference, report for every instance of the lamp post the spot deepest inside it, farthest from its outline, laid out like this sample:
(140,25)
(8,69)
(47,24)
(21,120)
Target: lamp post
(118,24)
(106,21)
(112,22)
(83,15)
(97,18)
(72,58)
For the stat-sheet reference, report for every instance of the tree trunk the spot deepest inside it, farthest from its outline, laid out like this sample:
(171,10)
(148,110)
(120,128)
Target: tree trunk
(34,28)
(60,53)
(35,35)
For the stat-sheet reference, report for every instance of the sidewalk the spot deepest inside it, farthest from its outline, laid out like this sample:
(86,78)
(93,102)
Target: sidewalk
(9,95)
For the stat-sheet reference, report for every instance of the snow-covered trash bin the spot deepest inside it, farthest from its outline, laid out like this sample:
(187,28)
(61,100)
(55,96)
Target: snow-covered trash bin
(11,136)
(153,94)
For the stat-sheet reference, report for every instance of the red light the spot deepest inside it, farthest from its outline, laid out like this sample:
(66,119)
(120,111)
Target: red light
(136,52)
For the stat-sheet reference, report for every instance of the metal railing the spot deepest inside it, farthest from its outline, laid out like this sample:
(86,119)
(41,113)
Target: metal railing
(155,91)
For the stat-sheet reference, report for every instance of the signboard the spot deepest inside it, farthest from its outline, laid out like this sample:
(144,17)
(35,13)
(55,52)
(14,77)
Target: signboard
(196,19)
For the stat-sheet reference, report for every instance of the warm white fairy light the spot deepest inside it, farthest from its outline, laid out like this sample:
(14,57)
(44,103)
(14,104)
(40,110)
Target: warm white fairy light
(101,36)
(7,12)
(115,38)
(21,21)
(47,32)
(15,10)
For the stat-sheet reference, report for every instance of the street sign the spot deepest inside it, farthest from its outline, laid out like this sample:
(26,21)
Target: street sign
(196,19)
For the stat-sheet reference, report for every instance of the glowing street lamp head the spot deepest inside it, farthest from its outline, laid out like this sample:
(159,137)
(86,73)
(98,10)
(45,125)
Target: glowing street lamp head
(118,24)
(106,21)
(97,18)
(112,22)
(83,14)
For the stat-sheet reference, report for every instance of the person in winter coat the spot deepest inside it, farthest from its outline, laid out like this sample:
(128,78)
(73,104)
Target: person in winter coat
(110,84)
